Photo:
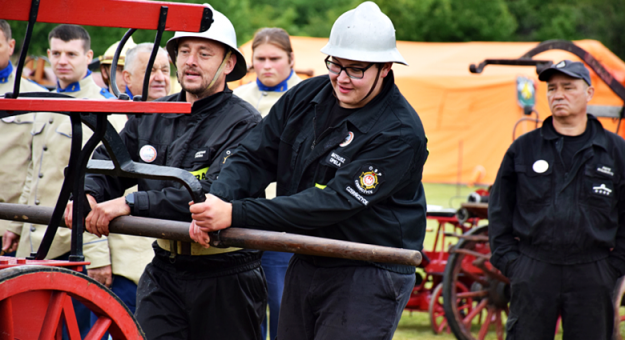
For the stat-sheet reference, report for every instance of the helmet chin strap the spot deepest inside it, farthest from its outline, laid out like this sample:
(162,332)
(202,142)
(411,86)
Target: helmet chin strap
(377,76)
(220,69)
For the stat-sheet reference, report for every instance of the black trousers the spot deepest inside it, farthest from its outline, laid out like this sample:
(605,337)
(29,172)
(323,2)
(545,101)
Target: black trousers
(202,297)
(353,302)
(581,294)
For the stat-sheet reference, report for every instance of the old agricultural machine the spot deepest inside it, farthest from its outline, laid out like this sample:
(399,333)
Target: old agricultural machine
(36,294)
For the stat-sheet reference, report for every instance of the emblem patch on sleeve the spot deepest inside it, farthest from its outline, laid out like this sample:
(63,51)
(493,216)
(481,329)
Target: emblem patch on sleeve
(368,180)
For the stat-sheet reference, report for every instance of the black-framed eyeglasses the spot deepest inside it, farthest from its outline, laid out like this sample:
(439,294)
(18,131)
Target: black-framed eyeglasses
(352,72)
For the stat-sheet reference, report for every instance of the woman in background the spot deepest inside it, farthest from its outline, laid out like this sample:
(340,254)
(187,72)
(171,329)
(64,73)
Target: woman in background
(272,60)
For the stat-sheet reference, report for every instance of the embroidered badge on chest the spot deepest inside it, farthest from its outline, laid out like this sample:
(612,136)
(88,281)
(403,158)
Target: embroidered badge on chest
(602,190)
(147,153)
(605,170)
(348,139)
(336,160)
(369,180)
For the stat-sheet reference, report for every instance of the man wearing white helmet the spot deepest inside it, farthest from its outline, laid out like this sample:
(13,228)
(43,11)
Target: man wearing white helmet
(187,291)
(347,151)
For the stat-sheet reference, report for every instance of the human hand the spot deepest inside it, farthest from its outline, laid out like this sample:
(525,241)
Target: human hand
(10,240)
(69,210)
(97,222)
(198,235)
(104,275)
(212,214)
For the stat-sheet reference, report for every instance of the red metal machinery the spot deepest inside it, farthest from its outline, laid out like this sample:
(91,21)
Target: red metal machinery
(427,295)
(35,294)
(472,314)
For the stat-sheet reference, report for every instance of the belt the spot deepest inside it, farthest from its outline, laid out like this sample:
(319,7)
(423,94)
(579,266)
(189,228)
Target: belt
(193,249)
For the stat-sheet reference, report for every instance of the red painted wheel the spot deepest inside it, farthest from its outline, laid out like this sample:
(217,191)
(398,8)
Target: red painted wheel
(35,301)
(485,306)
(438,322)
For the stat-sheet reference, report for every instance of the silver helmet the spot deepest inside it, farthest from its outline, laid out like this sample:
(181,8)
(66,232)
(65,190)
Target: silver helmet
(364,34)
(222,31)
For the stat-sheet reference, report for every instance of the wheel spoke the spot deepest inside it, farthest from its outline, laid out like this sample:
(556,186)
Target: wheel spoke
(498,325)
(53,315)
(484,328)
(474,312)
(100,327)
(70,318)
(476,294)
(472,253)
(473,277)
(479,263)
(6,321)
(442,326)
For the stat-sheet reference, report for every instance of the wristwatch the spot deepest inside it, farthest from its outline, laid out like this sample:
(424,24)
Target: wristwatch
(130,200)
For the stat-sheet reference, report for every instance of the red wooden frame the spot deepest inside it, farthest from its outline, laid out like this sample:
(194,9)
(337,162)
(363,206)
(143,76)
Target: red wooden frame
(91,105)
(108,13)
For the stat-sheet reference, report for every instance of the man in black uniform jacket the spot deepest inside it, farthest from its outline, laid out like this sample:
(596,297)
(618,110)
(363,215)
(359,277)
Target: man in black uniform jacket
(347,151)
(556,216)
(189,292)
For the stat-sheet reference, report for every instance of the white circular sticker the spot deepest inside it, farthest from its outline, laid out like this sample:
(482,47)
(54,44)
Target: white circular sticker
(540,166)
(148,153)
(348,139)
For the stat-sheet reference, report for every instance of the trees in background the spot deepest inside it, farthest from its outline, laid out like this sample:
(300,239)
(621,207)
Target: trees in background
(415,20)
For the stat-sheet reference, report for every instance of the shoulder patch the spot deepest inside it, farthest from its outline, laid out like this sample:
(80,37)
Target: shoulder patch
(368,180)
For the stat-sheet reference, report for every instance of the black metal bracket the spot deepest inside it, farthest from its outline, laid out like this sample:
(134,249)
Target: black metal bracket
(122,165)
(114,65)
(157,43)
(32,19)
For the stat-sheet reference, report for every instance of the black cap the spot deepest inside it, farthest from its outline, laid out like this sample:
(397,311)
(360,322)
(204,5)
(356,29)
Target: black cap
(573,69)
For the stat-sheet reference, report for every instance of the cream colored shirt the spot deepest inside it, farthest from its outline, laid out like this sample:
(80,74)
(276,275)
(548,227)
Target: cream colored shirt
(15,149)
(263,101)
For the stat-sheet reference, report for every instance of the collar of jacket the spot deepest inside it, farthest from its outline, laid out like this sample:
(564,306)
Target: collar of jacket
(5,73)
(129,93)
(365,117)
(598,138)
(206,105)
(281,87)
(73,87)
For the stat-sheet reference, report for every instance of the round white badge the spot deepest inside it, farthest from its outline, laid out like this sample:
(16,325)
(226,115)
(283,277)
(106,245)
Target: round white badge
(540,166)
(148,153)
(348,139)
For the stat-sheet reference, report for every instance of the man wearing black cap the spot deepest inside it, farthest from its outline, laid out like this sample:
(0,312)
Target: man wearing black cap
(556,215)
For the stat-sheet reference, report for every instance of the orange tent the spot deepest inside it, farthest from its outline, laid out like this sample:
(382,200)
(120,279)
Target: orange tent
(469,118)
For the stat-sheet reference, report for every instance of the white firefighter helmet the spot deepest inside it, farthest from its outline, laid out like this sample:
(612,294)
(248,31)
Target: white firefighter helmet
(107,57)
(364,34)
(222,31)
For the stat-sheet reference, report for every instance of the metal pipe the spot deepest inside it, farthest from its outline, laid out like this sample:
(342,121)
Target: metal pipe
(231,237)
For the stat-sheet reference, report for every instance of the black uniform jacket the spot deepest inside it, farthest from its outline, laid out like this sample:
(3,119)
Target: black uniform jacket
(198,142)
(359,180)
(539,209)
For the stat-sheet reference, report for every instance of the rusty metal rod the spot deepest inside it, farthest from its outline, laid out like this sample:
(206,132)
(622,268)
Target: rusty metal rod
(231,237)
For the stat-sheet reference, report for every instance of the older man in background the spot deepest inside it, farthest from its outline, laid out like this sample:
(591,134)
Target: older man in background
(134,71)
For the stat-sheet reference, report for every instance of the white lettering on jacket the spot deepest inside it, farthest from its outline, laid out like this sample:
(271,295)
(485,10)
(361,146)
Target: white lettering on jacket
(356,195)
